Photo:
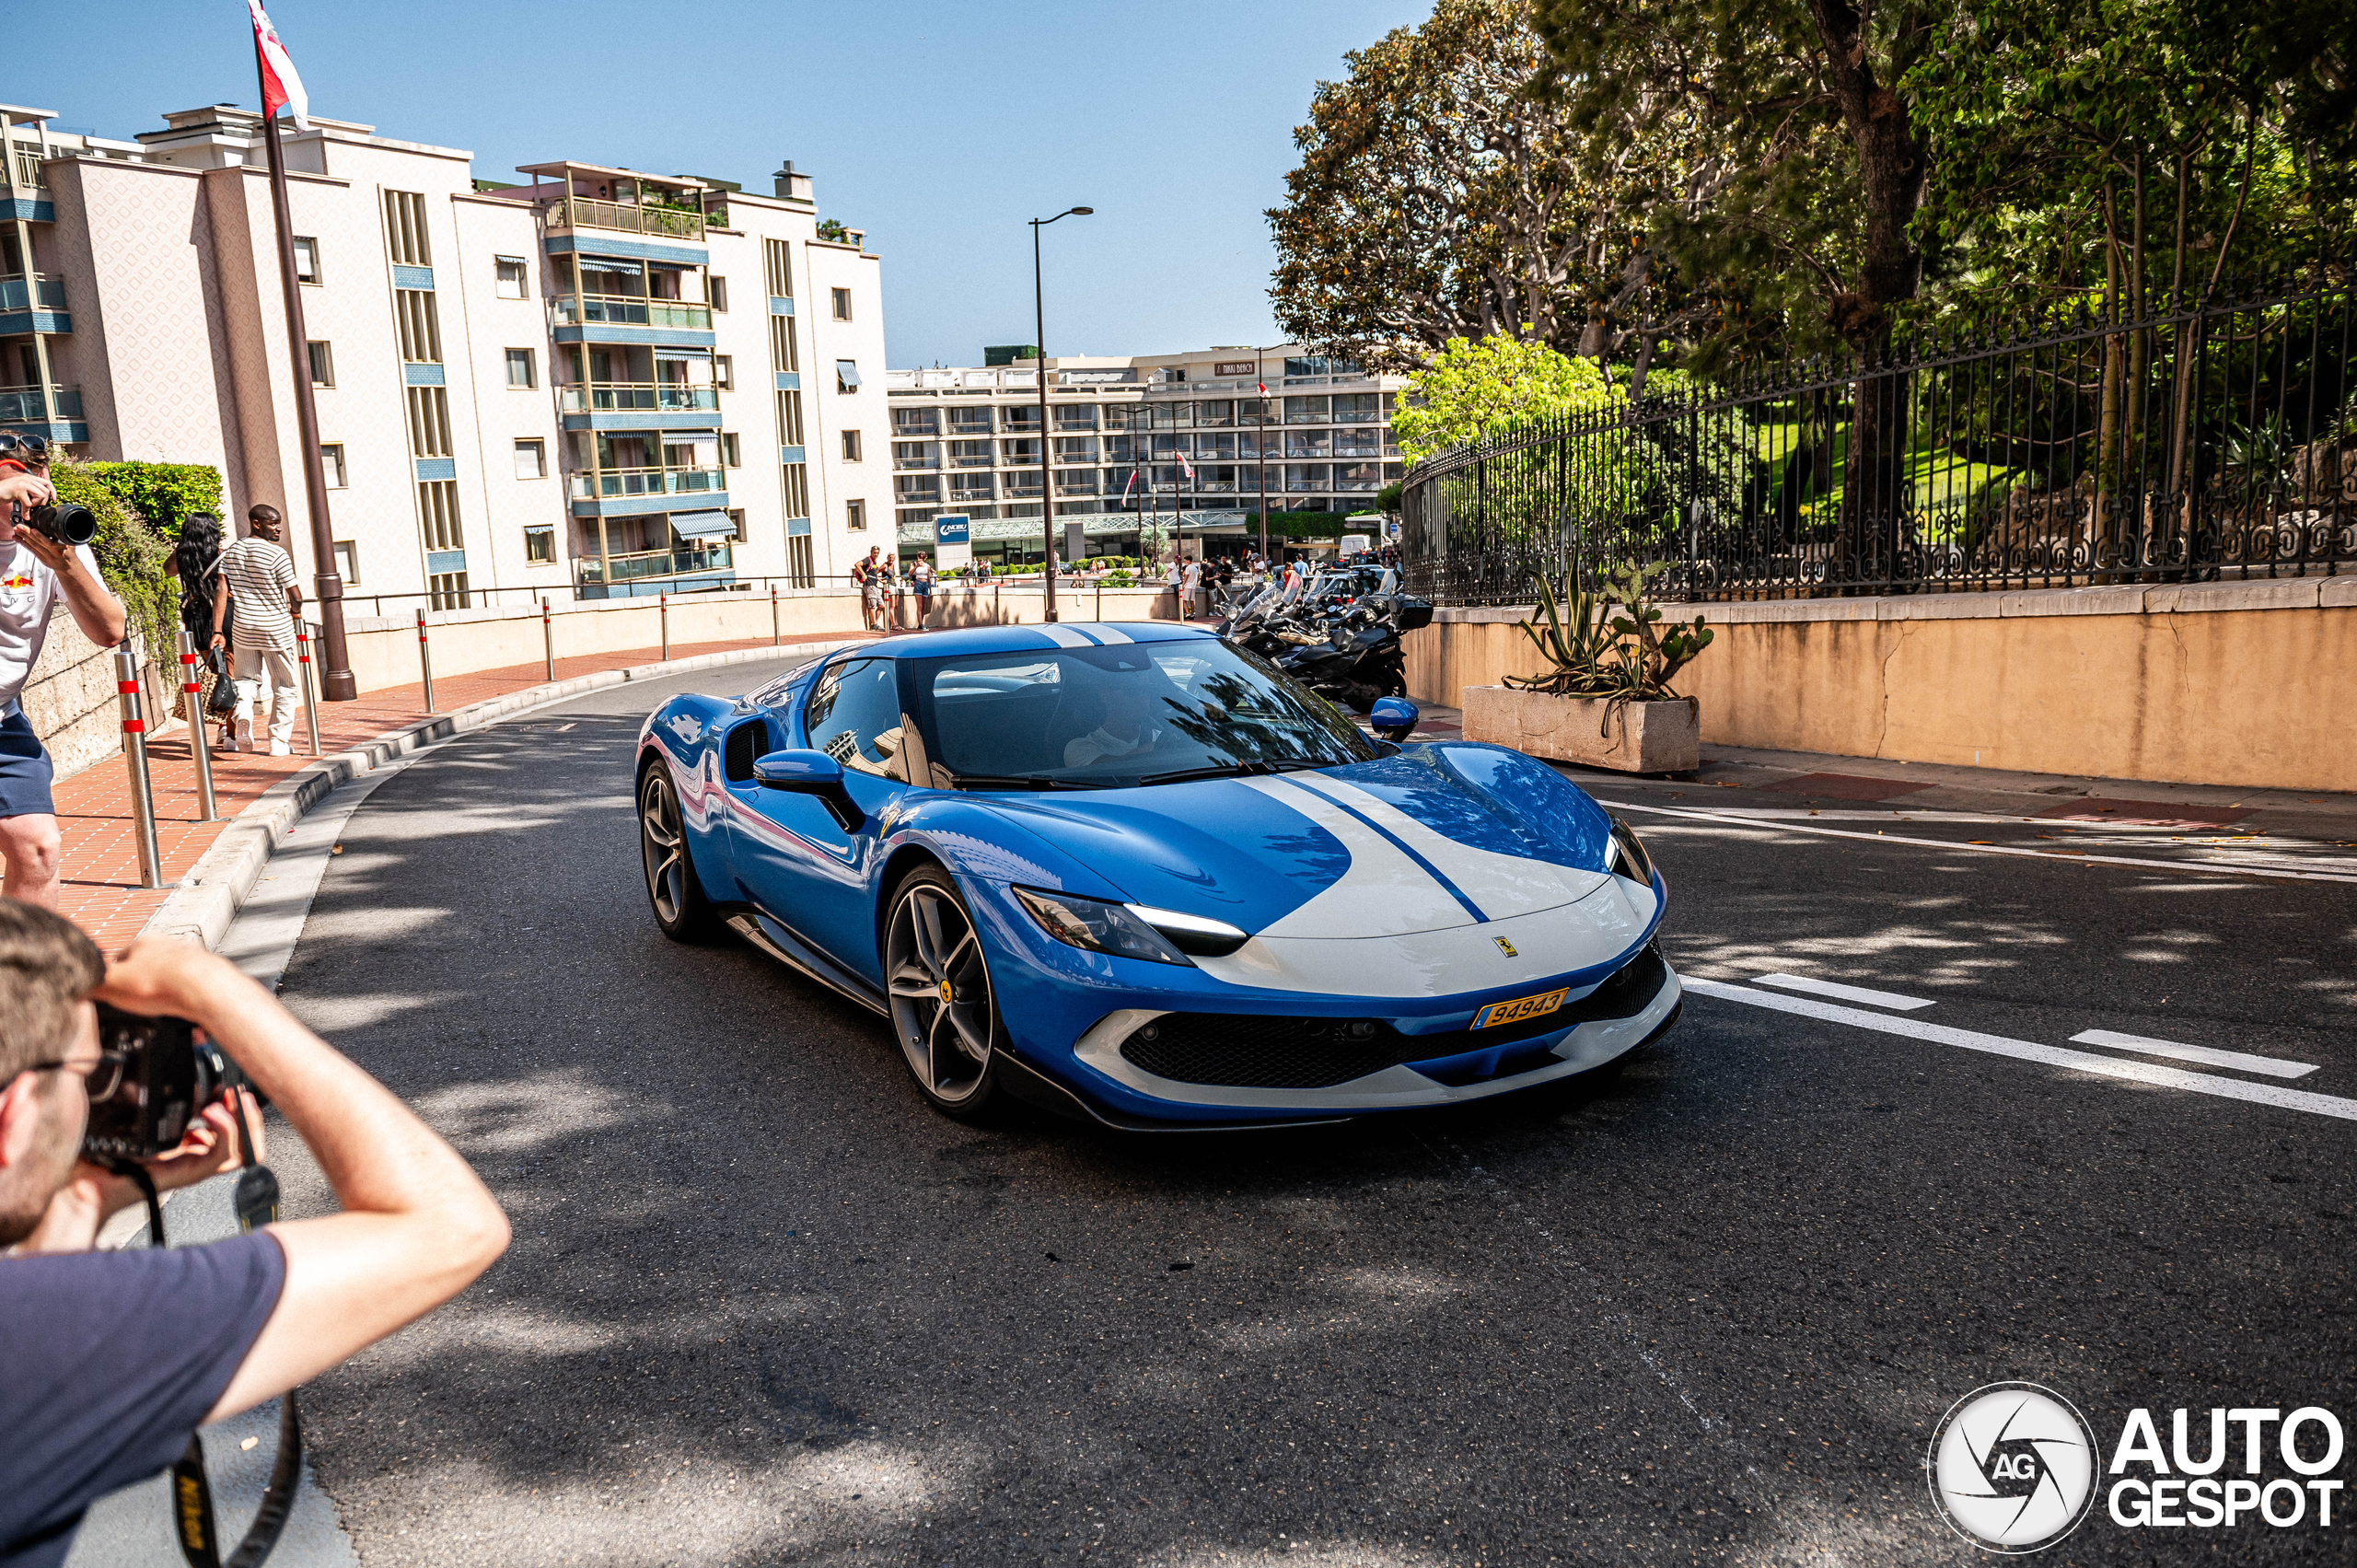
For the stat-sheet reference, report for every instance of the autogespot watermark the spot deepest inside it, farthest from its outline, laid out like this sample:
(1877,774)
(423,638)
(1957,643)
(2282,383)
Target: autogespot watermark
(2013,1467)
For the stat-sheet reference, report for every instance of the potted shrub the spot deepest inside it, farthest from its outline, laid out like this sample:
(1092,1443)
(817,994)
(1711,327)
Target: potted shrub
(1604,700)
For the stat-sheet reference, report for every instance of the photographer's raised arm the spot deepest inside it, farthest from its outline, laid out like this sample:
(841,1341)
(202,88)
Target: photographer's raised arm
(417,1226)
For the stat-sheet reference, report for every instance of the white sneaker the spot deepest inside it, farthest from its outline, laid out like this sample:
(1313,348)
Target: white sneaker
(228,741)
(280,749)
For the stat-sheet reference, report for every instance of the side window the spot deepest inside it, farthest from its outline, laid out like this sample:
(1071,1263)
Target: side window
(853,715)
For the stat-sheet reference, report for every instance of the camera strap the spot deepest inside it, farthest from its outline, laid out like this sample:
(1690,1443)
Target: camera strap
(257,1204)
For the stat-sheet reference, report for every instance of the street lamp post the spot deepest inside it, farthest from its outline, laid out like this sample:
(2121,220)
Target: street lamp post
(1261,380)
(1039,347)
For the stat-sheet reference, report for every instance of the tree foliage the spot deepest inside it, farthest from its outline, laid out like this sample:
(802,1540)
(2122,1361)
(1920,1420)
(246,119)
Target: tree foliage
(163,495)
(134,560)
(1472,391)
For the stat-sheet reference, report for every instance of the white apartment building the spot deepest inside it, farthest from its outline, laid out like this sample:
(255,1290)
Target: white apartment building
(967,440)
(595,383)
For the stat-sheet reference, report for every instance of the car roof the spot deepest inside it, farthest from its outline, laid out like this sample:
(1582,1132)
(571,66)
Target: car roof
(1026,639)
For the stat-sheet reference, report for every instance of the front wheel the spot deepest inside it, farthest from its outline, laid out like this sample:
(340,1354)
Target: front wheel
(681,910)
(944,1012)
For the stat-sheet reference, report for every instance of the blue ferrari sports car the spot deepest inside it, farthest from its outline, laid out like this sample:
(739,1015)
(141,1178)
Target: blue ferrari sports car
(1134,872)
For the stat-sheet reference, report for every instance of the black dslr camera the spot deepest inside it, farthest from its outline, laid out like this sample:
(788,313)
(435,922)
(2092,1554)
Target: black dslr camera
(153,1076)
(65,524)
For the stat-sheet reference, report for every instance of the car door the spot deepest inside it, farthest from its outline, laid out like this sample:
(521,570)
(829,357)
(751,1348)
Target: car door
(797,862)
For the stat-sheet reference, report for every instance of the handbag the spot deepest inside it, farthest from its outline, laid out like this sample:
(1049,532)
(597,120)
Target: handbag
(222,703)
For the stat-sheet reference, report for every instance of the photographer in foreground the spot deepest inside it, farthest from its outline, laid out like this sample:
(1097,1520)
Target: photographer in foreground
(37,573)
(108,1360)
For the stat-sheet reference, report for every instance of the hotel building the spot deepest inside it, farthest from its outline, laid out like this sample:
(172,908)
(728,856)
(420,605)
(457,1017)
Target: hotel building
(1125,433)
(590,383)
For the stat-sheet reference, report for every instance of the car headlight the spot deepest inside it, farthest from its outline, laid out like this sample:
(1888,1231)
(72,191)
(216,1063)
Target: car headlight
(1627,858)
(1099,926)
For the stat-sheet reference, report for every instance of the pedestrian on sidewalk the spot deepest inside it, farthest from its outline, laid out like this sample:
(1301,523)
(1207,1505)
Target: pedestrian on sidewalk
(257,577)
(921,578)
(35,574)
(888,580)
(196,560)
(1192,585)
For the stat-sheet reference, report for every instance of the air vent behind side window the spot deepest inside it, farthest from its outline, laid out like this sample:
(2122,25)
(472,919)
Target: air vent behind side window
(746,741)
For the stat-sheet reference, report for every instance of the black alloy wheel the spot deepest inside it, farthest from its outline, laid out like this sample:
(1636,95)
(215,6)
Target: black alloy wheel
(681,910)
(944,1013)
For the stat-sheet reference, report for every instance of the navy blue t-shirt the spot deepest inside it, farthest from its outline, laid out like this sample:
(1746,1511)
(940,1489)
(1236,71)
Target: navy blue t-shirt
(108,1361)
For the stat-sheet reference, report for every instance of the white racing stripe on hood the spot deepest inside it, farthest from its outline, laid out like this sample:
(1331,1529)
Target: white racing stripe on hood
(1502,884)
(1064,636)
(1383,893)
(1109,634)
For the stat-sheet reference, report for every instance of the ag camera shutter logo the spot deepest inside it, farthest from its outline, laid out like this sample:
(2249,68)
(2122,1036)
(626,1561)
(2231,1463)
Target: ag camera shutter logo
(2013,1467)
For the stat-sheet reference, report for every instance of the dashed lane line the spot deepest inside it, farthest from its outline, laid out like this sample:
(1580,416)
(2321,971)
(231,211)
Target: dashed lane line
(2213,867)
(2242,1062)
(1840,992)
(2029,1050)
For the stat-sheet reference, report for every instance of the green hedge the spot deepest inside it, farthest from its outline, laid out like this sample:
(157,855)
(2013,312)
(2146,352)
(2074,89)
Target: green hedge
(164,494)
(135,562)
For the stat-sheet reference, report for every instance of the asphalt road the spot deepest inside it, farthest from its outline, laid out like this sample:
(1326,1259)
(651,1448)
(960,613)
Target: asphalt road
(763,1306)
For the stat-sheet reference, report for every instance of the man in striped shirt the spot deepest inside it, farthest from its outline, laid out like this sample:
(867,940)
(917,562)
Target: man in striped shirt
(256,589)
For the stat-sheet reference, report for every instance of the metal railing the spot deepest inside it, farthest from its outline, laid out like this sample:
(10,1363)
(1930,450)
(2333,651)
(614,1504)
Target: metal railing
(20,404)
(621,396)
(627,310)
(622,217)
(599,483)
(29,172)
(641,564)
(43,293)
(2214,437)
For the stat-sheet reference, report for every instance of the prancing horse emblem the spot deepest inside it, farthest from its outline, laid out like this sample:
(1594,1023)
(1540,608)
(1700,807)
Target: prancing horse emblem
(1505,947)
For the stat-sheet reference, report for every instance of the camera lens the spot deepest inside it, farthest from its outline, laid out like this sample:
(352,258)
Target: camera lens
(67,524)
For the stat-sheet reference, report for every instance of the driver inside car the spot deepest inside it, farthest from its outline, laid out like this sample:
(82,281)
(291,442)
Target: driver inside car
(1127,730)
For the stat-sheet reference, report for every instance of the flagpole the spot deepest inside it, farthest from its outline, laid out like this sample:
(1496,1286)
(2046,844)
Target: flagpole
(336,683)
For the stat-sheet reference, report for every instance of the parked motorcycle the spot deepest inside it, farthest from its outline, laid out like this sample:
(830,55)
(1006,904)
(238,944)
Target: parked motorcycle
(1334,635)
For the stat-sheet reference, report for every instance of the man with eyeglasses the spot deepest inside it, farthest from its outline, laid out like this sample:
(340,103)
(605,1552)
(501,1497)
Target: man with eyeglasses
(108,1360)
(36,577)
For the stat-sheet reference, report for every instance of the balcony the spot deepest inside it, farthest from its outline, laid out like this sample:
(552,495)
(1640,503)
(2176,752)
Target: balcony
(28,175)
(622,217)
(22,405)
(634,397)
(608,485)
(629,310)
(45,293)
(656,571)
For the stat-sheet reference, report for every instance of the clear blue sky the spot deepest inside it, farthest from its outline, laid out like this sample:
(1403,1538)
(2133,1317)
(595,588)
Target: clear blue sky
(920,123)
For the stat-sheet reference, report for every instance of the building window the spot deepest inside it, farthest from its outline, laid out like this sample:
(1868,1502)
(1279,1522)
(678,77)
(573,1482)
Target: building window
(800,571)
(322,365)
(736,515)
(347,560)
(716,292)
(846,375)
(798,490)
(854,517)
(850,446)
(782,355)
(420,327)
(405,228)
(514,281)
(429,427)
(728,453)
(307,259)
(531,460)
(724,372)
(789,423)
(777,268)
(519,370)
(331,459)
(842,303)
(916,422)
(539,547)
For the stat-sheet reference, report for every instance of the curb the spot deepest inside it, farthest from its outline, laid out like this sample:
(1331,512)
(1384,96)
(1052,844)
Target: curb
(207,900)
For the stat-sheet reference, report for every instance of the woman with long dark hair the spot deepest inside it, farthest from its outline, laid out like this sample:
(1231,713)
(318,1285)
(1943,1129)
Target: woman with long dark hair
(196,560)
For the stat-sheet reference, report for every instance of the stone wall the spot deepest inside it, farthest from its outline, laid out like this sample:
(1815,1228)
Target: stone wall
(2232,683)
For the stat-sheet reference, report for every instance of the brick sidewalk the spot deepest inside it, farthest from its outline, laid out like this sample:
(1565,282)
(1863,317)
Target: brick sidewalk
(102,890)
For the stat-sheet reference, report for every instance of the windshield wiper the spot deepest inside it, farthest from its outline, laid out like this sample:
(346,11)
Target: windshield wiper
(1253,768)
(1029,781)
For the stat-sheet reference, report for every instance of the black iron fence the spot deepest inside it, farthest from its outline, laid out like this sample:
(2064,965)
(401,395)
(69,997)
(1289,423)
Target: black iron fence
(2215,436)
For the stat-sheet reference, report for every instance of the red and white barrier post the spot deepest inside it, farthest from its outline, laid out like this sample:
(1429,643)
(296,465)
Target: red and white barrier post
(192,698)
(663,608)
(548,638)
(134,751)
(774,638)
(424,662)
(310,692)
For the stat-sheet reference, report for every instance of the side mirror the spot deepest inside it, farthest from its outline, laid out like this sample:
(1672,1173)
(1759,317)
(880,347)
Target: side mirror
(812,772)
(1393,718)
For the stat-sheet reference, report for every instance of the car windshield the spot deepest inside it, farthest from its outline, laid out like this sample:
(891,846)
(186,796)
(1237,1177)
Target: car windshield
(1131,714)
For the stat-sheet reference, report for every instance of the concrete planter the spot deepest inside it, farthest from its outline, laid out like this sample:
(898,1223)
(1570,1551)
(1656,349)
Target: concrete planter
(1642,738)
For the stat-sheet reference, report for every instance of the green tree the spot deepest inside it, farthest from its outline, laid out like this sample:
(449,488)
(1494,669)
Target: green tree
(1477,390)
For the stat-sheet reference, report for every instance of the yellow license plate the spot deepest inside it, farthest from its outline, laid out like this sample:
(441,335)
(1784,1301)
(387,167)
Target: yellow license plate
(1521,1007)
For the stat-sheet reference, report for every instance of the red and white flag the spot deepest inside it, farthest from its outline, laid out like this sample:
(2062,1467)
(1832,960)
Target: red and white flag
(282,85)
(1132,485)
(1185,467)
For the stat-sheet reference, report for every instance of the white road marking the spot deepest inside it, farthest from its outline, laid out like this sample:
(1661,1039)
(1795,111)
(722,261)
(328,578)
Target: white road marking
(2029,1050)
(2214,867)
(2273,1066)
(1842,993)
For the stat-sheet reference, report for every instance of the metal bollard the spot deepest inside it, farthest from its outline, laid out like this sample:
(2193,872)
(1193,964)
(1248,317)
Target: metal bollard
(134,751)
(192,698)
(425,661)
(548,638)
(663,610)
(774,638)
(310,694)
